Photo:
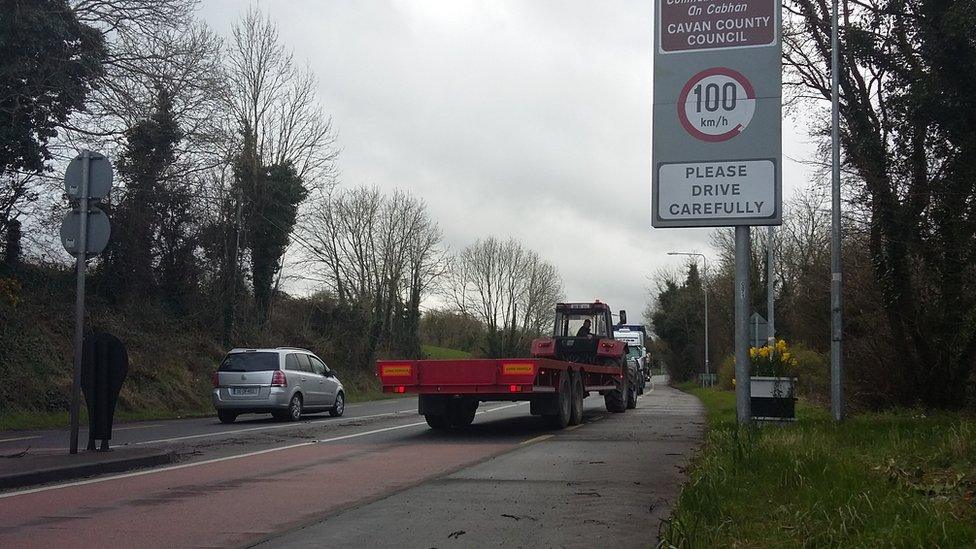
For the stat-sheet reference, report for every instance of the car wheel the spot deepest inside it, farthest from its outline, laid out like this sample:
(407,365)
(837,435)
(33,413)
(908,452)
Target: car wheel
(226,416)
(294,412)
(340,406)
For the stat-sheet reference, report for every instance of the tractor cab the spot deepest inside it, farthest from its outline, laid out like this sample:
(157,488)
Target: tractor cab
(570,318)
(569,340)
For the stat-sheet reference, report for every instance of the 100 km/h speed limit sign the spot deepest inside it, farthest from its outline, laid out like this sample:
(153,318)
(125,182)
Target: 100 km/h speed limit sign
(716,104)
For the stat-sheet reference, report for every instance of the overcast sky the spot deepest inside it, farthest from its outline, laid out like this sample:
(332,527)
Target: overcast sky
(523,118)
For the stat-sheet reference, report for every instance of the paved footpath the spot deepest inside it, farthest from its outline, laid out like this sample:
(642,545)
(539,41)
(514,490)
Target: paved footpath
(609,481)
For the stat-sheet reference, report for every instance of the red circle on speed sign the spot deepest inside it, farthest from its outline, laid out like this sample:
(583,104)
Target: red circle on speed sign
(716,104)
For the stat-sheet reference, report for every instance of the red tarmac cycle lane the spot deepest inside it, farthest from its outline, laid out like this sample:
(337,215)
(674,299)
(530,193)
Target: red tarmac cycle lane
(231,502)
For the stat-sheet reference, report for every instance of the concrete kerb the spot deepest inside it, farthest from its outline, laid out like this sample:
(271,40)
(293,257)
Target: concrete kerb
(47,468)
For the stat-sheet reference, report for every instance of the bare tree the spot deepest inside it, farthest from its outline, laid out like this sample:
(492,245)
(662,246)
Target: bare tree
(275,101)
(378,252)
(508,287)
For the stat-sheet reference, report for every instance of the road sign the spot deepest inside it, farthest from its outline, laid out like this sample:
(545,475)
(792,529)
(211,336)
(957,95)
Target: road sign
(695,25)
(717,114)
(758,330)
(716,104)
(99,231)
(100,176)
(84,232)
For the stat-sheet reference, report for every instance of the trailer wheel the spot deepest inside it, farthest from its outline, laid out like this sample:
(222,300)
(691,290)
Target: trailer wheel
(564,403)
(616,400)
(461,413)
(576,412)
(437,421)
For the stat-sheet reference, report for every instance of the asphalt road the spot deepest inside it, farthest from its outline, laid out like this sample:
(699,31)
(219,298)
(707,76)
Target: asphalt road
(379,477)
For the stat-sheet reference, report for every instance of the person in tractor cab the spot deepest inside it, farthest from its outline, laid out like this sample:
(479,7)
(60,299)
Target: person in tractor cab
(584,330)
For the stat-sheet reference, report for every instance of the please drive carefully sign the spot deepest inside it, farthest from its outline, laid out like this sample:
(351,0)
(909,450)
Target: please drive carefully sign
(717,113)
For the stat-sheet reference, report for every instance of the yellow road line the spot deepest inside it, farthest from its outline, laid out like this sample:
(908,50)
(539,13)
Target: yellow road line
(18,438)
(539,438)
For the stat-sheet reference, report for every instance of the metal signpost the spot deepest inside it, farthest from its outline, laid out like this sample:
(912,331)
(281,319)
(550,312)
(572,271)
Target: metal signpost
(84,234)
(717,138)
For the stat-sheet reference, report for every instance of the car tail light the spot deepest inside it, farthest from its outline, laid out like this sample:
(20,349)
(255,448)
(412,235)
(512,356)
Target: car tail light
(278,379)
(514,389)
(215,379)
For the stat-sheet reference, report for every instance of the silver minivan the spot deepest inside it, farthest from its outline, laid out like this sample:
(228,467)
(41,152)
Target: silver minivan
(285,382)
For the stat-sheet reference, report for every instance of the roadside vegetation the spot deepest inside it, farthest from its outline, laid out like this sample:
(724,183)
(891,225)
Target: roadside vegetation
(886,479)
(231,226)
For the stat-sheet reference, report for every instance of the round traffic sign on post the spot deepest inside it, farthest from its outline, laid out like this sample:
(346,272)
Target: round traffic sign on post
(99,231)
(716,104)
(99,178)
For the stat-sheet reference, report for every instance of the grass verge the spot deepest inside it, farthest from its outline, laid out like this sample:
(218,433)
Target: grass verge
(896,479)
(432,351)
(19,421)
(358,387)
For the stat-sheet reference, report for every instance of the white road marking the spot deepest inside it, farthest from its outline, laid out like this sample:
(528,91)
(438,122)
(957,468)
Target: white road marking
(18,438)
(228,458)
(136,427)
(265,428)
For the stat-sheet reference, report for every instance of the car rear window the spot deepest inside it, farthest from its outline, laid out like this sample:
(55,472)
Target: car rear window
(249,362)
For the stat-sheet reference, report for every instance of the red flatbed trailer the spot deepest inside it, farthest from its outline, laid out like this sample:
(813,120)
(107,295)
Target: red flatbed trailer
(450,390)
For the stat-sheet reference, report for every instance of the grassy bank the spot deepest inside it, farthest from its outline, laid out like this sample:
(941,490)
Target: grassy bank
(898,479)
(432,351)
(359,388)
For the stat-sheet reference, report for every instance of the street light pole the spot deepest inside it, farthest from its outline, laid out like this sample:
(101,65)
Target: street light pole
(836,280)
(705,288)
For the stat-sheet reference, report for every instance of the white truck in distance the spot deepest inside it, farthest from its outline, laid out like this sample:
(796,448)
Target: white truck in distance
(635,336)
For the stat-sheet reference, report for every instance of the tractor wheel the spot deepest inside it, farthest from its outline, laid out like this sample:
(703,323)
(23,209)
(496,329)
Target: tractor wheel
(616,400)
(576,411)
(564,402)
(631,397)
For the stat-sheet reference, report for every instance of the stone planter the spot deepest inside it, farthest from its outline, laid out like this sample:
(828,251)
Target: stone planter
(773,398)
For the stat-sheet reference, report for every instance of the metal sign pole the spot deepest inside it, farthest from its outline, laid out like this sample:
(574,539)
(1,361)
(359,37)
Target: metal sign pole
(708,369)
(770,291)
(742,362)
(80,300)
(836,297)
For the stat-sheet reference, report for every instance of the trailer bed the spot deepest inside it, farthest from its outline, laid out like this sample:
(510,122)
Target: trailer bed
(511,377)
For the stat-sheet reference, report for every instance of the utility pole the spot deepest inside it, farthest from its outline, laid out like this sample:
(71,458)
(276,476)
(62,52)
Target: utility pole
(836,275)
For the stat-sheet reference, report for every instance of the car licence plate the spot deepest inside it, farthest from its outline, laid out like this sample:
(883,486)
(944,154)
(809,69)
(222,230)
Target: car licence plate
(244,391)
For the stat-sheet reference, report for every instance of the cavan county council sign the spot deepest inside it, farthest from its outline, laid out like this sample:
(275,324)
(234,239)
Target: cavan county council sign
(689,25)
(717,113)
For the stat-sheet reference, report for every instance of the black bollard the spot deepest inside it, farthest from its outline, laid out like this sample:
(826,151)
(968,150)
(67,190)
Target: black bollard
(104,366)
